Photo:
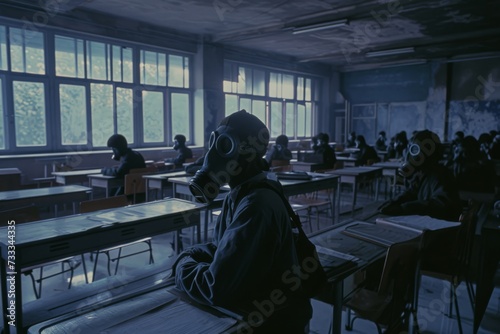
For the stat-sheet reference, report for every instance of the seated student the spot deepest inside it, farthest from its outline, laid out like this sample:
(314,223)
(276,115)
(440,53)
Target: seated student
(471,172)
(380,143)
(351,141)
(432,188)
(191,169)
(184,152)
(326,151)
(129,159)
(494,152)
(279,151)
(253,247)
(366,152)
(401,144)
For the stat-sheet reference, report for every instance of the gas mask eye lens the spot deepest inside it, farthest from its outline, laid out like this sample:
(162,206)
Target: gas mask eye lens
(211,140)
(414,150)
(225,145)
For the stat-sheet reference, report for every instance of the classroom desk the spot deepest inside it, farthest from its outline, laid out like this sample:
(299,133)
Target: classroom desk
(301,166)
(160,181)
(356,176)
(10,179)
(44,196)
(74,176)
(43,241)
(365,254)
(347,161)
(104,181)
(390,171)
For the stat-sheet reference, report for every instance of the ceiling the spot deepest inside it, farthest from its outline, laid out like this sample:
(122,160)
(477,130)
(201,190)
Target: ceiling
(420,30)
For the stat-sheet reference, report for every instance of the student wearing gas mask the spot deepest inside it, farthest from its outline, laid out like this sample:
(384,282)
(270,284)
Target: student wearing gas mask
(432,188)
(279,151)
(128,158)
(245,266)
(183,151)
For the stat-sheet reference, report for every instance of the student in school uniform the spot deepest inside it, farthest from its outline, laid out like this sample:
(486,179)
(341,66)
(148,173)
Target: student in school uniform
(253,247)
(183,152)
(128,158)
(433,190)
(366,154)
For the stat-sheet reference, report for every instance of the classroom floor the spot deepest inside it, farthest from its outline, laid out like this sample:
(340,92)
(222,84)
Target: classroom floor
(433,296)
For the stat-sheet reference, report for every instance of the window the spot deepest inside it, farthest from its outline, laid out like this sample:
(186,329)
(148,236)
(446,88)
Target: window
(285,104)
(178,71)
(125,113)
(70,61)
(101,104)
(122,64)
(152,113)
(73,113)
(180,114)
(3,48)
(98,62)
(153,68)
(29,113)
(27,51)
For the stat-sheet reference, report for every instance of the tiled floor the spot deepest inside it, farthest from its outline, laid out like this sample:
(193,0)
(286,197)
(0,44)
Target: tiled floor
(433,296)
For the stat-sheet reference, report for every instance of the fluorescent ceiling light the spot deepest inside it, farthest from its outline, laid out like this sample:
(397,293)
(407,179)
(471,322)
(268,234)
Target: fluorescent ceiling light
(389,52)
(320,26)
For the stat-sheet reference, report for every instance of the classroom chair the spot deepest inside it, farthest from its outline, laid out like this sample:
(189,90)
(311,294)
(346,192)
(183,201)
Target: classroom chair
(108,203)
(393,302)
(135,185)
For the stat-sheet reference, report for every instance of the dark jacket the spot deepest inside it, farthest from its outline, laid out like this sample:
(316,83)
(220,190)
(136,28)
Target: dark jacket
(184,153)
(132,159)
(276,153)
(435,194)
(366,153)
(329,158)
(251,256)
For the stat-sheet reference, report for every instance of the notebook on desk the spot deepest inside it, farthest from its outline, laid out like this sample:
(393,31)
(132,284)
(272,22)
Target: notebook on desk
(381,234)
(335,262)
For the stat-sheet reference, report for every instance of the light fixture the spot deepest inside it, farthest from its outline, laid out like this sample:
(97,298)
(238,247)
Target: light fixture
(319,26)
(389,52)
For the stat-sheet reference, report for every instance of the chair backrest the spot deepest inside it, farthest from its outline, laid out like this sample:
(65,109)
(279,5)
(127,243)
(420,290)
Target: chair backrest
(24,214)
(400,271)
(134,183)
(149,169)
(103,203)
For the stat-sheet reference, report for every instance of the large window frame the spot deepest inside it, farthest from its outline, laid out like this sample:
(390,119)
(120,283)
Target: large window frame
(288,108)
(56,84)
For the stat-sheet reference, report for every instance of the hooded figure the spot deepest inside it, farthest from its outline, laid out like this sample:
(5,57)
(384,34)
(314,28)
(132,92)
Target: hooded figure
(253,246)
(183,151)
(129,159)
(433,190)
(279,151)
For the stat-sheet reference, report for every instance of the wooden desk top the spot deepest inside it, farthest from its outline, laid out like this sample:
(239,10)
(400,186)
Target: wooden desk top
(78,172)
(166,176)
(9,171)
(41,192)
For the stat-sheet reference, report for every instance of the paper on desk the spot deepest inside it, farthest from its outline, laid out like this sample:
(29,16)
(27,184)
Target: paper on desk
(105,317)
(418,222)
(328,251)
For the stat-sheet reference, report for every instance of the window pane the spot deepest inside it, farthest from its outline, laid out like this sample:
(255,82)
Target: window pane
(301,124)
(2,129)
(175,71)
(127,65)
(29,113)
(300,88)
(231,104)
(3,48)
(124,113)
(16,50)
(153,111)
(259,83)
(73,114)
(308,90)
(274,78)
(308,119)
(290,120)
(97,60)
(245,104)
(153,68)
(69,57)
(180,114)
(276,118)
(259,110)
(245,81)
(122,64)
(101,100)
(288,88)
(186,72)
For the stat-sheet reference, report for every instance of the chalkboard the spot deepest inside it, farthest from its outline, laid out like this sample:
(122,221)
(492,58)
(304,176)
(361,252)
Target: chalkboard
(408,116)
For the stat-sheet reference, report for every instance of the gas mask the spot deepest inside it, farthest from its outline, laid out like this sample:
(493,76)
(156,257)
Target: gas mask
(116,154)
(424,150)
(240,139)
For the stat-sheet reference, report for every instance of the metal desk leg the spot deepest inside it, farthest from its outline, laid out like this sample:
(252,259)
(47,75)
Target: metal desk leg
(338,291)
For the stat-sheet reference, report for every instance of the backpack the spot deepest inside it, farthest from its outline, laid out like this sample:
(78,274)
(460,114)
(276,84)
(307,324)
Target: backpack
(307,255)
